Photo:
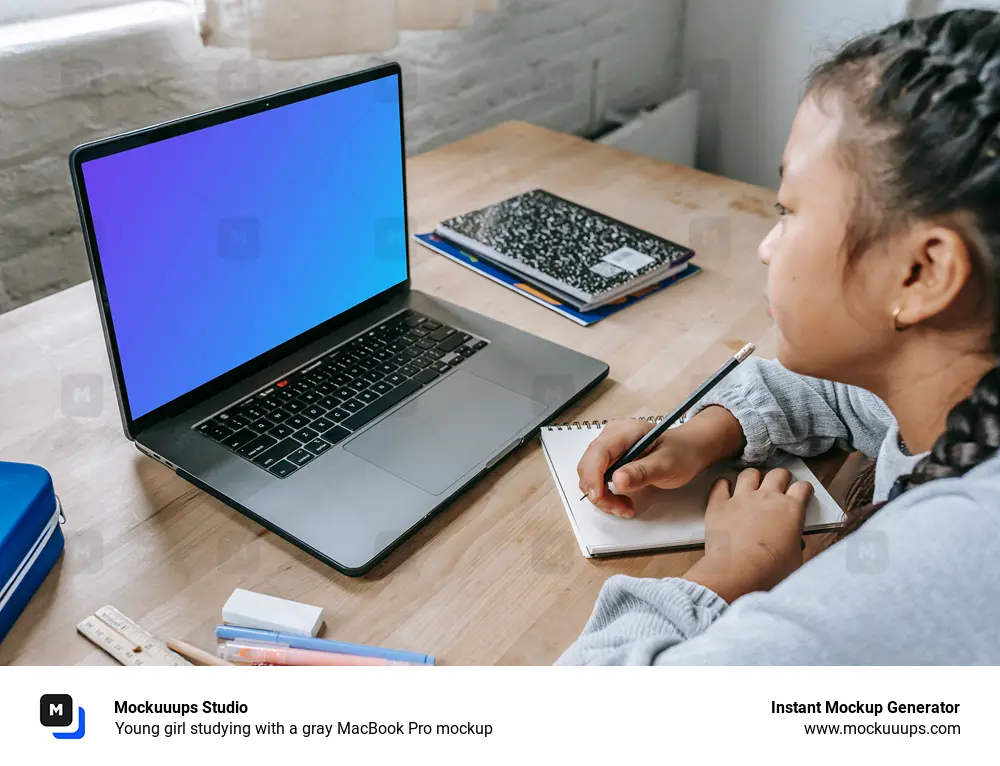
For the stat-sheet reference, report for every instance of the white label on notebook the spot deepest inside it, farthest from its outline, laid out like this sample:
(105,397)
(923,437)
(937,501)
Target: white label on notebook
(606,269)
(628,259)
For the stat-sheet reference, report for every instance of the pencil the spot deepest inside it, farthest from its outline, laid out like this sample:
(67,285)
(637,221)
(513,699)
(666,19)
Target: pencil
(636,450)
(194,654)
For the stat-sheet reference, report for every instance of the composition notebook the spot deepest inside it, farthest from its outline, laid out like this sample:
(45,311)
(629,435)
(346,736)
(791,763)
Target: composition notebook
(664,519)
(589,257)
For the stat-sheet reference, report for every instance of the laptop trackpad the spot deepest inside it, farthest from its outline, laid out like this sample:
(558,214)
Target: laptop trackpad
(445,432)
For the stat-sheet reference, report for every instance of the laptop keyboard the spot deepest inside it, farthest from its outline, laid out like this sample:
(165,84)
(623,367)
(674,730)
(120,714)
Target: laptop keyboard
(288,424)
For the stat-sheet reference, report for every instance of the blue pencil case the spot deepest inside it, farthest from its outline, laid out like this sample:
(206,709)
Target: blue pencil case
(31,537)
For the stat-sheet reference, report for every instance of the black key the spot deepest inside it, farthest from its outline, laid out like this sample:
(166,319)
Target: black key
(299,387)
(336,434)
(257,446)
(237,422)
(368,396)
(345,393)
(310,397)
(224,418)
(300,457)
(419,333)
(355,371)
(318,446)
(340,379)
(329,403)
(382,405)
(426,376)
(450,344)
(383,355)
(455,360)
(262,425)
(266,404)
(325,389)
(281,431)
(339,414)
(411,338)
(396,378)
(404,341)
(322,424)
(465,351)
(441,367)
(409,370)
(253,412)
(283,396)
(433,353)
(306,435)
(240,439)
(430,324)
(423,362)
(464,336)
(412,352)
(283,468)
(414,320)
(443,333)
(367,363)
(355,387)
(353,405)
(381,388)
(425,343)
(279,451)
(479,344)
(297,422)
(400,359)
(387,368)
(280,415)
(295,406)
(372,377)
(313,412)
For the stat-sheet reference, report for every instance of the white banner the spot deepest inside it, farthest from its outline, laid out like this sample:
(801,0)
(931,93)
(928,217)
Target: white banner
(440,715)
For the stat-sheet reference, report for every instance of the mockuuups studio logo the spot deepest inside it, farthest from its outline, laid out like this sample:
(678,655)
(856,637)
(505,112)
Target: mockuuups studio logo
(56,712)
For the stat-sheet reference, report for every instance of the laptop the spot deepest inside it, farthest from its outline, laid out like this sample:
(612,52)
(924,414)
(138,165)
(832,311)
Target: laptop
(252,272)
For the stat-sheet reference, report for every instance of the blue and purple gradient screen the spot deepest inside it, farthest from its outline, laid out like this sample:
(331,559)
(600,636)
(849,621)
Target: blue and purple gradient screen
(221,244)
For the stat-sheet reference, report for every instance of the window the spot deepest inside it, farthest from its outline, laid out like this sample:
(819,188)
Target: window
(29,10)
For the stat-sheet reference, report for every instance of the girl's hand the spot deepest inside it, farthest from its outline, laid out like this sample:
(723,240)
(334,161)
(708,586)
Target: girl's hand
(752,535)
(674,459)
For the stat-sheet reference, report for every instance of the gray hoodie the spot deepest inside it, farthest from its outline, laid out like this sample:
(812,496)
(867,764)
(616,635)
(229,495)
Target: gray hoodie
(918,583)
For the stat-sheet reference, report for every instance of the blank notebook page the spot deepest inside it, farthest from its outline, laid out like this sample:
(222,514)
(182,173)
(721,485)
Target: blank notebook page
(664,518)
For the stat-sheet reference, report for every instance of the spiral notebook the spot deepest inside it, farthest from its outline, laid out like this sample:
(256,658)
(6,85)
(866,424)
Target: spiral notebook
(665,519)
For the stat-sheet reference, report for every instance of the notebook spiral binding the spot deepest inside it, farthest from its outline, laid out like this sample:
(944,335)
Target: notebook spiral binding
(588,424)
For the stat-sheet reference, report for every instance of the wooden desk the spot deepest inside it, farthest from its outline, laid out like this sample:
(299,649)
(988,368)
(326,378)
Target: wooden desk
(498,577)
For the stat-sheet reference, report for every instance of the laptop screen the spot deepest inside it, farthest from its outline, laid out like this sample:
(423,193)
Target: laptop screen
(223,243)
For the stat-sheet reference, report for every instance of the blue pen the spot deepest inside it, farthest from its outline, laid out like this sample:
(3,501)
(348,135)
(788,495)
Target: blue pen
(233,633)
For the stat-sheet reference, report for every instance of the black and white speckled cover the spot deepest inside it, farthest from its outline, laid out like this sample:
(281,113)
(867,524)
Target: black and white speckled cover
(565,242)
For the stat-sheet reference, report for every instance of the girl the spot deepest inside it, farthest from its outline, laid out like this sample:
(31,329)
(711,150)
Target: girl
(883,275)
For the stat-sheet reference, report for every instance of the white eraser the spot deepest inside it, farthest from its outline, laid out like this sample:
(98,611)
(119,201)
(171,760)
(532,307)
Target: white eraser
(247,609)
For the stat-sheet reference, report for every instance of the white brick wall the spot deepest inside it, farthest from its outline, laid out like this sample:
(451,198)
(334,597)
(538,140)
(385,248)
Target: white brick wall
(97,74)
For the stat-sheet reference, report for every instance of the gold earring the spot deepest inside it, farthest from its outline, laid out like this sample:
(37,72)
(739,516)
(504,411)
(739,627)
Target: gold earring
(895,319)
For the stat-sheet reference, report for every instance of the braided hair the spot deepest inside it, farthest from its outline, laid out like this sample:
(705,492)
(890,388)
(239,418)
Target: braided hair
(923,120)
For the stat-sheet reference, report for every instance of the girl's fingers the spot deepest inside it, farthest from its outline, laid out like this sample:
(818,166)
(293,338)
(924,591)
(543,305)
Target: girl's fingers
(801,491)
(777,480)
(616,505)
(719,493)
(602,452)
(747,481)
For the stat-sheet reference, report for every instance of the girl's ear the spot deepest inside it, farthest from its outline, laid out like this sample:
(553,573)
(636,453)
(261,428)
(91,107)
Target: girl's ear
(935,267)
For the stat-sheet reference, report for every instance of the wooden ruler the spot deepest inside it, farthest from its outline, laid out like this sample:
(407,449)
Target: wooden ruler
(129,644)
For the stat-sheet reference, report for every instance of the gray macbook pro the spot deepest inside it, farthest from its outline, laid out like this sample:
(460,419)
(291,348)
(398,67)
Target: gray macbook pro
(251,266)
